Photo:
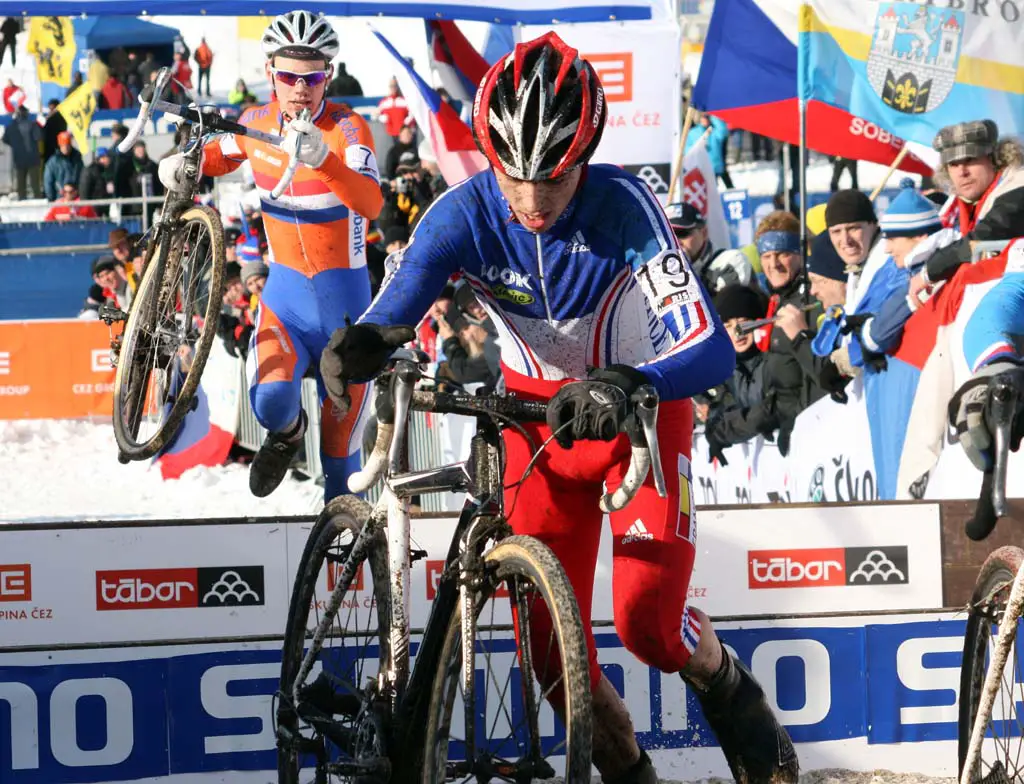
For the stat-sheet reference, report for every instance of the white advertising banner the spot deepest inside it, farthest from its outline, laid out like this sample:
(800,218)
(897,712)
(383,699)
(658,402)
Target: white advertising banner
(151,583)
(638,64)
(849,690)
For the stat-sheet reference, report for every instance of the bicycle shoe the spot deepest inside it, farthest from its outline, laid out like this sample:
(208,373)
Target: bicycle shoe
(757,748)
(275,456)
(641,772)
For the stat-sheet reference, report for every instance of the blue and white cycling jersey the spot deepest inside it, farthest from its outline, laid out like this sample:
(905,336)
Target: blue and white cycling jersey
(995,330)
(607,284)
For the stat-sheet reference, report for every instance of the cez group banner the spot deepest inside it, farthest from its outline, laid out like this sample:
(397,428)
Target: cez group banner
(639,67)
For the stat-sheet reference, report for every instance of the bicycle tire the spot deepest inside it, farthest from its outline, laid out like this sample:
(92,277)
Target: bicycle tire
(148,300)
(513,557)
(342,514)
(991,588)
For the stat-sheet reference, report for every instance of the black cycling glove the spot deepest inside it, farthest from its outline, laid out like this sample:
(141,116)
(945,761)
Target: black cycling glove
(595,409)
(357,353)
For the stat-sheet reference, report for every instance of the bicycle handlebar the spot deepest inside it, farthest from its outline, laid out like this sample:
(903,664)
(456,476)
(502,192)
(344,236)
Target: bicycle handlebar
(207,116)
(387,448)
(1003,401)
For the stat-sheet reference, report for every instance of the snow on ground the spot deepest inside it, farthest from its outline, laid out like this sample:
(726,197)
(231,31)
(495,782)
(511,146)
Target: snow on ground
(56,469)
(762,179)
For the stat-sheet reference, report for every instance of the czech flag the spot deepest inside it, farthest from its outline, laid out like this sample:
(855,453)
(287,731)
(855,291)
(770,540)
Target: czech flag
(450,138)
(748,77)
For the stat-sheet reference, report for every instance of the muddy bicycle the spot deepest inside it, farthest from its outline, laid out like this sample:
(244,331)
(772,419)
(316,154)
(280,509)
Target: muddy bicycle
(170,326)
(476,706)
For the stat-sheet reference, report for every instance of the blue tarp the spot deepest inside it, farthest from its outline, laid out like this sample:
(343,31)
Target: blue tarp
(109,32)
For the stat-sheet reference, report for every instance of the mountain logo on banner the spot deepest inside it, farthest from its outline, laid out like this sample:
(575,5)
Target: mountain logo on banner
(914,55)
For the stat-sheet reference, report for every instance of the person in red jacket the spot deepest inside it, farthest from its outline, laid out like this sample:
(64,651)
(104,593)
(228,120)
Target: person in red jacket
(13,96)
(181,71)
(115,95)
(65,208)
(393,111)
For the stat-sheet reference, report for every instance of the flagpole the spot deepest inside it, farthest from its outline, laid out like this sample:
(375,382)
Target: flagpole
(892,167)
(803,195)
(677,164)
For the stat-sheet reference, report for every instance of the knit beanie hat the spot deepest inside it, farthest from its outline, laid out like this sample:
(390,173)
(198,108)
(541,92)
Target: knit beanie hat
(254,269)
(849,206)
(910,214)
(739,302)
(824,260)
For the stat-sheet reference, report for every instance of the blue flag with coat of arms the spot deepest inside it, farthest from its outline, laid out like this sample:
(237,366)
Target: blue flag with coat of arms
(914,68)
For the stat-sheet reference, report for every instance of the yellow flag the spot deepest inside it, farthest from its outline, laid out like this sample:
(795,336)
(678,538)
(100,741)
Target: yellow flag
(77,110)
(51,40)
(252,27)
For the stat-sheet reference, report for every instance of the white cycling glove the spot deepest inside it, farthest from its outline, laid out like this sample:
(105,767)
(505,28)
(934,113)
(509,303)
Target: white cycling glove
(313,149)
(171,172)
(971,428)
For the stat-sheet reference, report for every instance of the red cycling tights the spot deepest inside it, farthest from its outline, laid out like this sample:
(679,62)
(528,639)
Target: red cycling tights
(653,537)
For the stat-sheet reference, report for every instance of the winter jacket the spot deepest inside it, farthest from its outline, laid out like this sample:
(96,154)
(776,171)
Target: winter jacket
(13,97)
(10,28)
(115,95)
(718,138)
(467,369)
(97,183)
(760,397)
(55,125)
(998,215)
(23,136)
(238,97)
(60,170)
(204,56)
(344,84)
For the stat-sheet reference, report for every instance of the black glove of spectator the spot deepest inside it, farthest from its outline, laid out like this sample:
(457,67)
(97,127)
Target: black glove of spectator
(716,448)
(855,321)
(833,382)
(242,341)
(226,324)
(595,409)
(358,352)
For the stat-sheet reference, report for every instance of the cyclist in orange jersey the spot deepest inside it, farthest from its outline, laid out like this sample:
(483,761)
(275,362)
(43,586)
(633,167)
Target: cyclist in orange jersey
(316,231)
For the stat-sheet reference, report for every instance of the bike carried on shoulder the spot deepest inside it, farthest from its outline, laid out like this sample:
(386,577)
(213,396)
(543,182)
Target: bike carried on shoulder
(170,326)
(475,706)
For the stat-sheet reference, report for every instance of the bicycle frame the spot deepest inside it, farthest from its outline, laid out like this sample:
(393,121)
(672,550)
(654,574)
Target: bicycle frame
(482,518)
(408,691)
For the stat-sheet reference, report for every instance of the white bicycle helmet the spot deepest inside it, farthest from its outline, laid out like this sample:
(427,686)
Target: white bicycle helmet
(299,31)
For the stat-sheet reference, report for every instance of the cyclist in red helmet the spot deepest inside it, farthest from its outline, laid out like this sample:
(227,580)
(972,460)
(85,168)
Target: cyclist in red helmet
(592,297)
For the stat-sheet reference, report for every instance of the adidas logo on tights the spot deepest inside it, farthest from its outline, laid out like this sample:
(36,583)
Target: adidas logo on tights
(637,533)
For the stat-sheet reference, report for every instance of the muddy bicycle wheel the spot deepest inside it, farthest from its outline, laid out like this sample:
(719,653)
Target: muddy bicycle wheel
(517,735)
(1002,750)
(169,333)
(333,725)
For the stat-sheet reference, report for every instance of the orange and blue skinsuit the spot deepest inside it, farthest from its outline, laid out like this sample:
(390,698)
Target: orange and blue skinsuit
(317,233)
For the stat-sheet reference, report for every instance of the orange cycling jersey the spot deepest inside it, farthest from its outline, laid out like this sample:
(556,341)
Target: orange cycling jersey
(320,221)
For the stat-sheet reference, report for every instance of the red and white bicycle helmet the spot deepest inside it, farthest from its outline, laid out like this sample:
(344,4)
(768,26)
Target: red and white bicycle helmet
(539,111)
(300,32)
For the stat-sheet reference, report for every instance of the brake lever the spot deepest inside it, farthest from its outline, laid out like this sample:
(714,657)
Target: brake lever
(1003,400)
(645,401)
(293,163)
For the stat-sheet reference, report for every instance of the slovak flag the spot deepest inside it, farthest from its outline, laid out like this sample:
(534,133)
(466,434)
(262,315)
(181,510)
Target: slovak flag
(451,139)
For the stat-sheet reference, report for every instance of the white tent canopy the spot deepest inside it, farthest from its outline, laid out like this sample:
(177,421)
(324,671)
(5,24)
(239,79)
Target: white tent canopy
(505,12)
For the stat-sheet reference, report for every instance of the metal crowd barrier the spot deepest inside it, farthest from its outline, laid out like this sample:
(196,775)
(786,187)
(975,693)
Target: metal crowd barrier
(426,446)
(980,250)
